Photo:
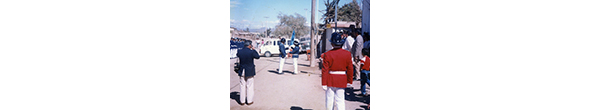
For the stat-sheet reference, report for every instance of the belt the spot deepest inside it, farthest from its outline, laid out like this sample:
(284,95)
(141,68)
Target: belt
(337,72)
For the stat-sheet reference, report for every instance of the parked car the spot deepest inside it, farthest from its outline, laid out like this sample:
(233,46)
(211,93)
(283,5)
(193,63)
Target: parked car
(304,44)
(271,47)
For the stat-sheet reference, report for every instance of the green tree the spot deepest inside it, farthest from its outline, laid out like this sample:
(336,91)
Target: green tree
(350,12)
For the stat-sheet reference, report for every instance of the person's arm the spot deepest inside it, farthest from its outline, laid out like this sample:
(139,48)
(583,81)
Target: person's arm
(325,70)
(349,71)
(296,50)
(255,54)
(281,48)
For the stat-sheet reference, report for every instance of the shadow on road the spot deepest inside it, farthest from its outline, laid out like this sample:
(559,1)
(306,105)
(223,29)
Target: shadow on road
(298,108)
(235,96)
(283,72)
(286,62)
(365,107)
(351,96)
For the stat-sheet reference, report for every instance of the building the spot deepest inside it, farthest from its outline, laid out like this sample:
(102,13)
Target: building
(234,33)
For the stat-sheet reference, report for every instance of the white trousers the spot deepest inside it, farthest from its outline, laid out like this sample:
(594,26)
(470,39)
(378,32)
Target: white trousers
(231,53)
(337,94)
(281,62)
(295,65)
(234,53)
(246,89)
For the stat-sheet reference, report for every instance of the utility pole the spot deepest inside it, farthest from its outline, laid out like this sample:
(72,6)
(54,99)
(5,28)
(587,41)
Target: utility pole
(335,16)
(313,44)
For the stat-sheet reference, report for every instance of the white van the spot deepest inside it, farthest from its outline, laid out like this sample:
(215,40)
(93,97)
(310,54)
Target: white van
(271,47)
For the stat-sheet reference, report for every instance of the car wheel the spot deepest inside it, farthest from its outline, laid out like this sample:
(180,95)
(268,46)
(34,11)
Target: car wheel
(267,54)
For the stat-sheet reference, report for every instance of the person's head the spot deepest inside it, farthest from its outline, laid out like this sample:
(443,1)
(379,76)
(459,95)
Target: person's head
(356,33)
(351,34)
(336,40)
(366,52)
(248,44)
(296,43)
(282,40)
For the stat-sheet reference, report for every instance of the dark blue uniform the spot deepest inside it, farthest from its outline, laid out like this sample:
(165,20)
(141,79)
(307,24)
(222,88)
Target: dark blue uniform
(240,44)
(281,50)
(247,56)
(232,44)
(295,52)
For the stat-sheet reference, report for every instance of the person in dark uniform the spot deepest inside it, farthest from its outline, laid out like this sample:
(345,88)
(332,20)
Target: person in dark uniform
(295,53)
(336,73)
(282,54)
(232,48)
(247,71)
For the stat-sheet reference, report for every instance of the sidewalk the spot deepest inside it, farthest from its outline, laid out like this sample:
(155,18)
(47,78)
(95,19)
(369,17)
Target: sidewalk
(287,91)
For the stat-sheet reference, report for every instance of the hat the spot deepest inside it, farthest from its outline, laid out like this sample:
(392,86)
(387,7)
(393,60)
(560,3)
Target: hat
(282,40)
(337,39)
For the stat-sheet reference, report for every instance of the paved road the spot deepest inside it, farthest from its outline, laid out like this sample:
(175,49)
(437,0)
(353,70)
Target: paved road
(288,91)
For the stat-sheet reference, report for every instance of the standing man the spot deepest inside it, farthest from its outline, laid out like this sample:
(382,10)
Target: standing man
(349,41)
(336,73)
(247,71)
(295,53)
(357,46)
(282,54)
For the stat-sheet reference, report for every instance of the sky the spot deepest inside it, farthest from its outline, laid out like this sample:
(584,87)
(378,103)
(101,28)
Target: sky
(255,14)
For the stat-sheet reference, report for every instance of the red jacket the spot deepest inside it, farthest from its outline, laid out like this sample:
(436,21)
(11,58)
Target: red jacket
(365,63)
(337,61)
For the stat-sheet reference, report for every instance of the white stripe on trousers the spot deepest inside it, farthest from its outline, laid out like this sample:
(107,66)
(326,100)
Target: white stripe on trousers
(337,94)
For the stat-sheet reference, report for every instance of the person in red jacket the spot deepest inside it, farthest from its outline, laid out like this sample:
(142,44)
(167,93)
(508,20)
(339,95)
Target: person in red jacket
(336,72)
(365,70)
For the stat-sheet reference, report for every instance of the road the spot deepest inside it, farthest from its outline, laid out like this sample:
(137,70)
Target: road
(288,91)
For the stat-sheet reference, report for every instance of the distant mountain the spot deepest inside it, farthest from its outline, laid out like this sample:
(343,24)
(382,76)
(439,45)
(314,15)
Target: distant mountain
(259,29)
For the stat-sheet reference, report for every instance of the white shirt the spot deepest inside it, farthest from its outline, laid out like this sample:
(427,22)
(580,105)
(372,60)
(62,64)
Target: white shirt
(348,45)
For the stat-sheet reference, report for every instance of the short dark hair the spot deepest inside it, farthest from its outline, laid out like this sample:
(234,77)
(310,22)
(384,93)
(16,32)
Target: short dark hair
(365,51)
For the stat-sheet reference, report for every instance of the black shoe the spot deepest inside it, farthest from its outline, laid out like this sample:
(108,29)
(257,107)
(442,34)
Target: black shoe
(250,103)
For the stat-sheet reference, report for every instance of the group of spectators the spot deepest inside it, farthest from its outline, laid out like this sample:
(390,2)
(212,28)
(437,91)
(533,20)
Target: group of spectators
(359,46)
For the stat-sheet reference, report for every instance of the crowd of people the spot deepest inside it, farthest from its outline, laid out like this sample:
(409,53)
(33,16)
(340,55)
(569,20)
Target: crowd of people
(348,61)
(236,44)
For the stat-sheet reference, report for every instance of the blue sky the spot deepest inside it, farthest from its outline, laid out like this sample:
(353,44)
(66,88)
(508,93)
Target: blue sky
(263,13)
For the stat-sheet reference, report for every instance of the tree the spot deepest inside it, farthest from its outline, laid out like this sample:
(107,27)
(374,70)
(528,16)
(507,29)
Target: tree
(288,23)
(329,12)
(350,12)
(268,32)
